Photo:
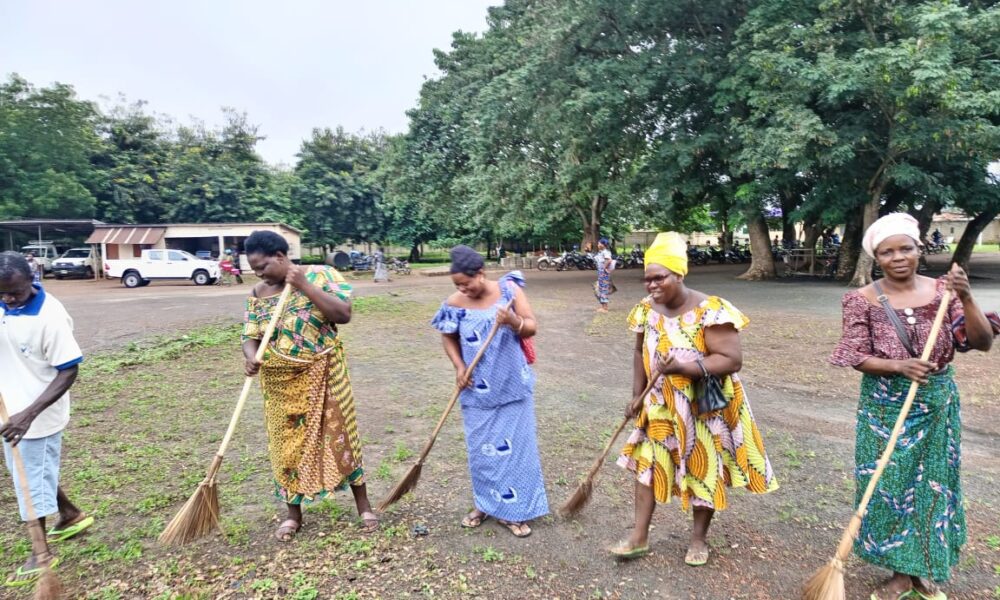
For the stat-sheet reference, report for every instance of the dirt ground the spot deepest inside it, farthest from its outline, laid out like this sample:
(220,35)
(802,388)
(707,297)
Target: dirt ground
(147,419)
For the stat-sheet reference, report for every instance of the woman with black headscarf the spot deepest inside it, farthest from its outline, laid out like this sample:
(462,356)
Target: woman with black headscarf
(498,407)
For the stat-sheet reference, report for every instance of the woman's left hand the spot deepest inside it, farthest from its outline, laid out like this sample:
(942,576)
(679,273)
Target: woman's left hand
(665,364)
(958,282)
(296,276)
(508,317)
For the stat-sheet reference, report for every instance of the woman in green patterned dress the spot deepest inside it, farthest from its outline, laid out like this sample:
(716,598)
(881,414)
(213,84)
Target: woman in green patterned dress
(915,523)
(312,433)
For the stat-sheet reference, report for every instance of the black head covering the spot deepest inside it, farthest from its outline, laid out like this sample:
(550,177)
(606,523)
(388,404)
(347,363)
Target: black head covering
(466,261)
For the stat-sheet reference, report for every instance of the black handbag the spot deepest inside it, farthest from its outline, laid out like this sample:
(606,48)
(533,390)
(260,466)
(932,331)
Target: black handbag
(708,392)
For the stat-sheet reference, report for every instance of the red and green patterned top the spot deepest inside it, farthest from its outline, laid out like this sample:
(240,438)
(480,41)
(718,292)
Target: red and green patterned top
(303,330)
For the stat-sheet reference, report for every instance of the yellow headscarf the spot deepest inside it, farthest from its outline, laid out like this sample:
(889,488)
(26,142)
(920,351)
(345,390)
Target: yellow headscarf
(669,249)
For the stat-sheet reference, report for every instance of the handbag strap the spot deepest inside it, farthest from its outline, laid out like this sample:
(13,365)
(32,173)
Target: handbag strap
(704,372)
(890,312)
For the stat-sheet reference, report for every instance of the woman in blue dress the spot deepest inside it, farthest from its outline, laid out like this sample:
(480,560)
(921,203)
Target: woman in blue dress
(498,408)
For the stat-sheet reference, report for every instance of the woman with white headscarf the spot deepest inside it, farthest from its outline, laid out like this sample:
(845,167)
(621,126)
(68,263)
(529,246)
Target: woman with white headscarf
(915,524)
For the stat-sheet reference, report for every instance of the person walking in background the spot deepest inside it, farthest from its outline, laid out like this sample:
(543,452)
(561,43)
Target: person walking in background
(915,525)
(39,361)
(603,288)
(497,398)
(312,432)
(36,268)
(683,336)
(381,272)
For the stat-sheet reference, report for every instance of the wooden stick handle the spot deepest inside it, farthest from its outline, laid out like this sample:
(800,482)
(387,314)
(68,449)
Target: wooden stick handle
(847,541)
(272,324)
(614,436)
(458,390)
(20,471)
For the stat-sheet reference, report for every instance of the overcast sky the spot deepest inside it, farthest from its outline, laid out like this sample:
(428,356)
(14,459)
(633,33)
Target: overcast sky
(291,65)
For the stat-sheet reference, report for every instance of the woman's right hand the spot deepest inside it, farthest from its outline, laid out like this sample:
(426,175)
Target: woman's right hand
(915,369)
(463,378)
(251,366)
(634,407)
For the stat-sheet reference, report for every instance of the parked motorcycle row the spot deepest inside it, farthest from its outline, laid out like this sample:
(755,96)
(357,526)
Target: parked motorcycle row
(361,262)
(582,261)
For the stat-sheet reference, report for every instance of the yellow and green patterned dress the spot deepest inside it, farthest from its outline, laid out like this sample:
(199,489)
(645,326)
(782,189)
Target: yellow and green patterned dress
(308,405)
(673,448)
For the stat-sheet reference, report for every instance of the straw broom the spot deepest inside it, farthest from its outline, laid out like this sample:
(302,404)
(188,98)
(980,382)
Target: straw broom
(581,496)
(200,514)
(48,586)
(828,582)
(409,481)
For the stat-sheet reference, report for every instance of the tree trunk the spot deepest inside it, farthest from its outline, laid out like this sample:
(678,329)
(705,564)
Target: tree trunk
(963,251)
(850,246)
(415,251)
(592,222)
(925,216)
(788,204)
(811,233)
(762,261)
(863,270)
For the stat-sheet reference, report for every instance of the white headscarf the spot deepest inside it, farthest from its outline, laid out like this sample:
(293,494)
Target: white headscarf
(888,226)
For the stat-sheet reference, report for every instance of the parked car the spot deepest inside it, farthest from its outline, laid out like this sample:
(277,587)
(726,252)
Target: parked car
(45,254)
(162,264)
(75,261)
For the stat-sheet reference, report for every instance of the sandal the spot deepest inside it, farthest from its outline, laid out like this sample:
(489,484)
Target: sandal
(520,530)
(75,528)
(903,595)
(287,530)
(696,558)
(625,551)
(27,577)
(370,522)
(916,594)
(474,519)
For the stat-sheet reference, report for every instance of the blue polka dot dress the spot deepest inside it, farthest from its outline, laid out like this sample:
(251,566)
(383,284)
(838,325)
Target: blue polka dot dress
(498,412)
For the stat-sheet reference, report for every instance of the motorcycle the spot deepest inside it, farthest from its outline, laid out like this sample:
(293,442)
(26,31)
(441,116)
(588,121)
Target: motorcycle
(398,266)
(548,262)
(361,262)
(697,256)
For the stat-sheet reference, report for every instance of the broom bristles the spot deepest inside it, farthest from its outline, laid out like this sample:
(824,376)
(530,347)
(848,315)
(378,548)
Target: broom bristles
(579,499)
(405,485)
(827,583)
(199,516)
(48,586)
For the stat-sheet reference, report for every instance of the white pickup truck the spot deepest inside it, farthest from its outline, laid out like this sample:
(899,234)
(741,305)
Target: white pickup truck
(162,264)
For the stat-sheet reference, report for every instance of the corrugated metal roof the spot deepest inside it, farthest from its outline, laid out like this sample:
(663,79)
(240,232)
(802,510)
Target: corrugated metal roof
(126,235)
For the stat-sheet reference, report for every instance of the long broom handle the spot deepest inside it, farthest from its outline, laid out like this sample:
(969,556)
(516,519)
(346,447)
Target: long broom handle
(22,474)
(458,390)
(847,541)
(614,436)
(268,332)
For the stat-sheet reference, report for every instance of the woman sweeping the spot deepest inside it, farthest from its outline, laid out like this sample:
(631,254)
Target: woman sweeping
(308,404)
(682,336)
(915,525)
(498,407)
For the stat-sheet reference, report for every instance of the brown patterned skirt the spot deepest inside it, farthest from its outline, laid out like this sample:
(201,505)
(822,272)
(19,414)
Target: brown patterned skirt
(311,428)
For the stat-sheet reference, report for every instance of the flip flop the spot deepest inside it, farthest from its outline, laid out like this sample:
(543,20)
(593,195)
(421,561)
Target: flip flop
(939,595)
(696,558)
(901,596)
(623,551)
(74,529)
(472,521)
(287,530)
(369,522)
(25,578)
(516,528)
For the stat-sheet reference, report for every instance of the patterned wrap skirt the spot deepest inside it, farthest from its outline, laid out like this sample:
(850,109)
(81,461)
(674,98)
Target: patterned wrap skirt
(915,522)
(311,427)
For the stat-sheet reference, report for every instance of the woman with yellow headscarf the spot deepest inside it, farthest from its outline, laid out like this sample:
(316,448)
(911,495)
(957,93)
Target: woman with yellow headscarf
(683,335)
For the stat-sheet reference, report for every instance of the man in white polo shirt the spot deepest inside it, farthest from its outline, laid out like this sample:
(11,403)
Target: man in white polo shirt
(39,360)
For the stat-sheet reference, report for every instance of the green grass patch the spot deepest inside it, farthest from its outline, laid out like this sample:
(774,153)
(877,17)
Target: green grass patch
(160,349)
